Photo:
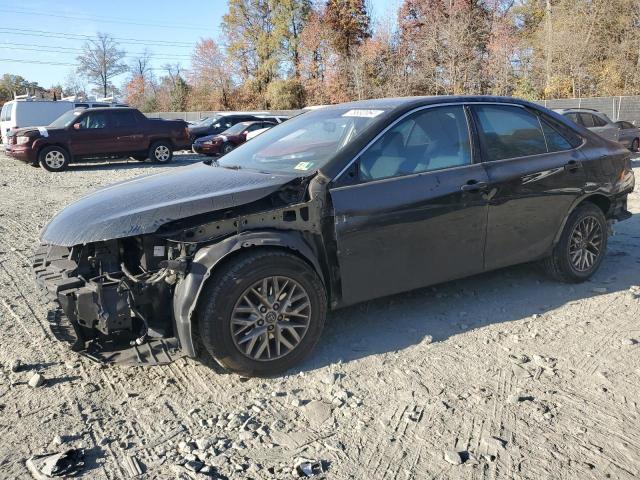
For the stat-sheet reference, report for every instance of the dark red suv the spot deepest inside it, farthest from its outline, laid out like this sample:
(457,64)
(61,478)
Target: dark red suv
(98,133)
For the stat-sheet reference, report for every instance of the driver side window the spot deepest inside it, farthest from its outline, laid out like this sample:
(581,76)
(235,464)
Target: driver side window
(431,139)
(94,120)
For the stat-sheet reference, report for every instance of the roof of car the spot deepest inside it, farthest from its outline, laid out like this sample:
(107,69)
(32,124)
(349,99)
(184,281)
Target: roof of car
(575,109)
(99,109)
(397,102)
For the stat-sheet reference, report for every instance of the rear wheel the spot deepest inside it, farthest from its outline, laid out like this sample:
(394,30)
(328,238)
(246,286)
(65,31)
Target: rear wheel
(54,159)
(263,313)
(582,246)
(161,152)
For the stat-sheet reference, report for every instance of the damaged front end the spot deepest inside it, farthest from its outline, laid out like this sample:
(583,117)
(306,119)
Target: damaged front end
(113,299)
(132,299)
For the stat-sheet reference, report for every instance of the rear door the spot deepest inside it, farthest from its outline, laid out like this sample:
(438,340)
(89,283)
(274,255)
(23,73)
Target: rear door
(127,132)
(94,137)
(416,214)
(535,174)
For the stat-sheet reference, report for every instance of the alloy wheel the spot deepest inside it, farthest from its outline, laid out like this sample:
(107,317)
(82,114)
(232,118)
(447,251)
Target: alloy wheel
(162,153)
(270,318)
(585,244)
(54,159)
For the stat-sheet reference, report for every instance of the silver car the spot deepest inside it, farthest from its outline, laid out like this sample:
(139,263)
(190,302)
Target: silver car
(594,120)
(629,135)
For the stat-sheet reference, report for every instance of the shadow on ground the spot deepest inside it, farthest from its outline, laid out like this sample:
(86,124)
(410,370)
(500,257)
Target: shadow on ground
(440,312)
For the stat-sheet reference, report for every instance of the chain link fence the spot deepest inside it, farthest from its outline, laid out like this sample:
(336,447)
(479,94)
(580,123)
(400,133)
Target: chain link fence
(617,108)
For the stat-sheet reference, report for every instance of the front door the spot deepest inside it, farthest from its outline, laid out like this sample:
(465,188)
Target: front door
(416,213)
(535,175)
(93,137)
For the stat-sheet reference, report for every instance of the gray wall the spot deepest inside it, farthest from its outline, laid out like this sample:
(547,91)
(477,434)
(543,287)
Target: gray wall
(617,108)
(195,116)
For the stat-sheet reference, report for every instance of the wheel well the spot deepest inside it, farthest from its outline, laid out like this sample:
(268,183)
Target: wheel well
(156,140)
(233,256)
(52,145)
(600,201)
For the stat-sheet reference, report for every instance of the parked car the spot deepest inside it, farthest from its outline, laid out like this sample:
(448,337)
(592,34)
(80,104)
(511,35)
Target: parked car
(223,143)
(594,120)
(336,206)
(629,135)
(98,133)
(218,123)
(30,112)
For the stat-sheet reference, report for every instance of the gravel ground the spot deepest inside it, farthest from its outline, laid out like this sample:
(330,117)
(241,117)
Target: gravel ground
(503,375)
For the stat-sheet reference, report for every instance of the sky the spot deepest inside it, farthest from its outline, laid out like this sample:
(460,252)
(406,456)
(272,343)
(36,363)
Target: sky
(40,40)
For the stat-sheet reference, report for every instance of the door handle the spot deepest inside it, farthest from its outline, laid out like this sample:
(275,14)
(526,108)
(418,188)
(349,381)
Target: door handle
(572,166)
(474,186)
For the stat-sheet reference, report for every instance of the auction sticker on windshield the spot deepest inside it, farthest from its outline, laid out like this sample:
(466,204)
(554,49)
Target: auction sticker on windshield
(363,113)
(304,166)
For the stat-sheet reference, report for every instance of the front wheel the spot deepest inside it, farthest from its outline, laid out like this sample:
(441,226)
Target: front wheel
(54,159)
(582,246)
(161,152)
(226,148)
(263,313)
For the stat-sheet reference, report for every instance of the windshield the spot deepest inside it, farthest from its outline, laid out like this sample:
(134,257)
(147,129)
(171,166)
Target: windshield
(304,143)
(236,129)
(207,121)
(65,119)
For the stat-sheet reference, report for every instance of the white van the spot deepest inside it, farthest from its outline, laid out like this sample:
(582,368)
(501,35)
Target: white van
(29,112)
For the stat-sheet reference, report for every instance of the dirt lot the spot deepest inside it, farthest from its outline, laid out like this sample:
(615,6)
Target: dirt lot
(527,378)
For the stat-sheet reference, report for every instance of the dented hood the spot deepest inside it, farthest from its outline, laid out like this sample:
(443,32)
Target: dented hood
(143,204)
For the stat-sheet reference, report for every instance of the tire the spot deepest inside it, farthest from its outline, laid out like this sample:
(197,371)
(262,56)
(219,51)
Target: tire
(140,158)
(226,291)
(635,145)
(54,159)
(226,148)
(562,263)
(161,152)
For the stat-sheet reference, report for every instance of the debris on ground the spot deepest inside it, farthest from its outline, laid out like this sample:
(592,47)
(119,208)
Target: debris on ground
(15,365)
(453,457)
(310,468)
(36,380)
(132,465)
(53,465)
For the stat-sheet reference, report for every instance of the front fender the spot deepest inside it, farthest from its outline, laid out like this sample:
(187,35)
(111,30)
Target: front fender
(187,291)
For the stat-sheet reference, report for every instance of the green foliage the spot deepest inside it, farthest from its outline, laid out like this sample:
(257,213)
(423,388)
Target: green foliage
(285,95)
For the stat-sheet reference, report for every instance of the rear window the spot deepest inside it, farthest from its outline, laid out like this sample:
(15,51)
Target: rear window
(509,132)
(586,119)
(599,122)
(123,119)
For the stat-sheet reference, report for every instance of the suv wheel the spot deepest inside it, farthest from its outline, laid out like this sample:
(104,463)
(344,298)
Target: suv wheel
(54,159)
(160,152)
(582,246)
(263,313)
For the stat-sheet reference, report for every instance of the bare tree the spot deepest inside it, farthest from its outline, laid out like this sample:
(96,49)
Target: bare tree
(101,60)
(141,64)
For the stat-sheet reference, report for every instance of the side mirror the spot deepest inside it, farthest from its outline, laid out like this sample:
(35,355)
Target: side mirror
(76,126)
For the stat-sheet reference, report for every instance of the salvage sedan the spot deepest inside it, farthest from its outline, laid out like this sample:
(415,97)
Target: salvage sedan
(246,254)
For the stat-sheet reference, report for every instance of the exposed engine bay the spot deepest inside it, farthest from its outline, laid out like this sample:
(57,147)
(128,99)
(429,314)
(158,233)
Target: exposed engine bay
(115,298)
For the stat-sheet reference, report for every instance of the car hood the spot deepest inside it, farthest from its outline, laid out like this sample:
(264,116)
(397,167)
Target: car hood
(34,131)
(143,204)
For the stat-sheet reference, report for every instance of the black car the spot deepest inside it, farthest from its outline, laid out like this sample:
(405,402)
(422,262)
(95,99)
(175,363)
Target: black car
(333,207)
(216,124)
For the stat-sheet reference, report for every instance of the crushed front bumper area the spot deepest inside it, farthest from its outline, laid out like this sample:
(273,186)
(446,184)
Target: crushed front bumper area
(95,317)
